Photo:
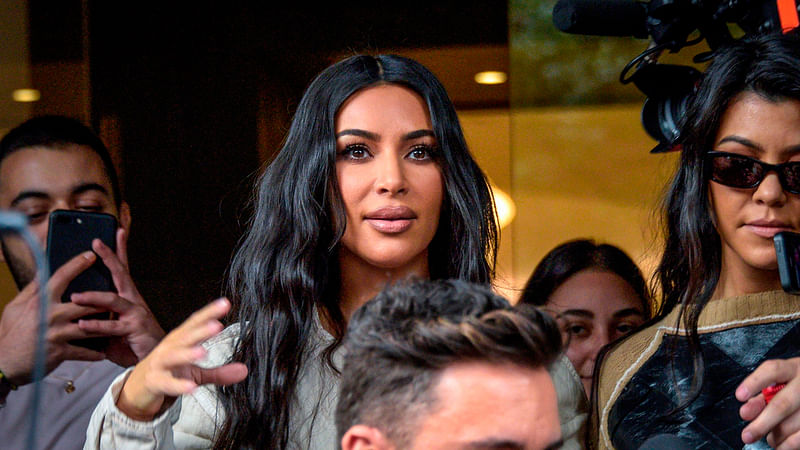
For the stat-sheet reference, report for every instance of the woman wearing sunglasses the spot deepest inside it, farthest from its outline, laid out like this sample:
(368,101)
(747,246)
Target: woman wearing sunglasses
(725,330)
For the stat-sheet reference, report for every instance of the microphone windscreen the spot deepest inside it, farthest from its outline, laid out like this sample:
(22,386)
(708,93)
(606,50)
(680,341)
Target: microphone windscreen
(601,17)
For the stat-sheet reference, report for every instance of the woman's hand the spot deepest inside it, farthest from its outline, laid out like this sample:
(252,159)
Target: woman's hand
(169,370)
(780,419)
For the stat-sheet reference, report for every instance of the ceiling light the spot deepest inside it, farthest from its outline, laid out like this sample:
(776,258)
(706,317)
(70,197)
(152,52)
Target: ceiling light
(26,95)
(491,77)
(506,209)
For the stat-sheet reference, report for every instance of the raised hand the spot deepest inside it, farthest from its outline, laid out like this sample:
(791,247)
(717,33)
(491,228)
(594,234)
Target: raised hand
(780,419)
(170,369)
(134,330)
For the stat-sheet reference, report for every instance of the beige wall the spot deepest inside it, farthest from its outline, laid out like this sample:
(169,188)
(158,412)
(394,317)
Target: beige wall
(572,172)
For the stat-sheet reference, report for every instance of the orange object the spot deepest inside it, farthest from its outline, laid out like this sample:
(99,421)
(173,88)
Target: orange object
(787,12)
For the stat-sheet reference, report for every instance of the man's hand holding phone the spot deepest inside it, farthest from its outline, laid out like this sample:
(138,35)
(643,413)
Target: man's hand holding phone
(20,319)
(134,329)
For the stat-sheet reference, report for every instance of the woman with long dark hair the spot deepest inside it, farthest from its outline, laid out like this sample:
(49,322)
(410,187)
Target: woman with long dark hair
(724,330)
(596,293)
(374,183)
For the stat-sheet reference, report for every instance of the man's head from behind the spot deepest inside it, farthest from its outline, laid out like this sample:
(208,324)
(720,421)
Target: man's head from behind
(448,364)
(49,163)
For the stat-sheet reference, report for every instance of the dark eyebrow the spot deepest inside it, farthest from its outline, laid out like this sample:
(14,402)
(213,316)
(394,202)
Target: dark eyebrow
(24,195)
(577,312)
(89,187)
(740,140)
(361,133)
(376,137)
(418,134)
(628,312)
(78,190)
(492,443)
(750,144)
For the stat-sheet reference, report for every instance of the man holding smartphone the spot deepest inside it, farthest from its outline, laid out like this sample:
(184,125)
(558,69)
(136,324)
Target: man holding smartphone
(46,164)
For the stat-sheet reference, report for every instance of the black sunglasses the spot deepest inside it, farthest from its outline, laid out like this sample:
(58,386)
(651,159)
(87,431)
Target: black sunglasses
(743,172)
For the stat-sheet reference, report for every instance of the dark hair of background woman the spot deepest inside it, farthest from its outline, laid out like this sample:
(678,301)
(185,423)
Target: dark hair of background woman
(571,257)
(690,266)
(285,269)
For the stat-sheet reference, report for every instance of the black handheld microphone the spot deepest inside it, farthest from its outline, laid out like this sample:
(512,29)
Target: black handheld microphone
(664,442)
(601,17)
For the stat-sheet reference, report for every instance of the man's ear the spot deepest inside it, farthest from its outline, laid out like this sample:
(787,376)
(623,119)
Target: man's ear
(125,217)
(362,437)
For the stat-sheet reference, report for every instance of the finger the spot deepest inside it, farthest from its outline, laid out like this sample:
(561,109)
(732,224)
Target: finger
(180,358)
(104,327)
(768,373)
(785,432)
(106,300)
(68,332)
(788,426)
(213,311)
(119,272)
(68,312)
(752,408)
(66,273)
(200,332)
(122,246)
(221,376)
(166,384)
(785,404)
(791,442)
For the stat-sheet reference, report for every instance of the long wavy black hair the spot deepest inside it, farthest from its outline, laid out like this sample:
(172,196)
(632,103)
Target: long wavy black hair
(689,271)
(286,268)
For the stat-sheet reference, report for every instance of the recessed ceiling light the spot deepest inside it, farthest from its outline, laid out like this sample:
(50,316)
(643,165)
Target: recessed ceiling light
(26,95)
(491,77)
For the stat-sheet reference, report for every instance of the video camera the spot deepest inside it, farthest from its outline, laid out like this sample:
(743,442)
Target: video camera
(670,24)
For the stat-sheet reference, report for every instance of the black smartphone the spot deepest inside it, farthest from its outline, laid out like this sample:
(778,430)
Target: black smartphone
(72,233)
(787,249)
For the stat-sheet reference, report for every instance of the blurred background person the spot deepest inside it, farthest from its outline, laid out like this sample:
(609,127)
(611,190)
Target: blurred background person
(595,292)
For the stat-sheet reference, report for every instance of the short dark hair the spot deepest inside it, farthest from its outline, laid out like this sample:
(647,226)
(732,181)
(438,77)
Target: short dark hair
(398,343)
(55,132)
(576,255)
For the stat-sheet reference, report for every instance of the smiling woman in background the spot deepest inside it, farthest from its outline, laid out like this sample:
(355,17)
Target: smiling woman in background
(595,292)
